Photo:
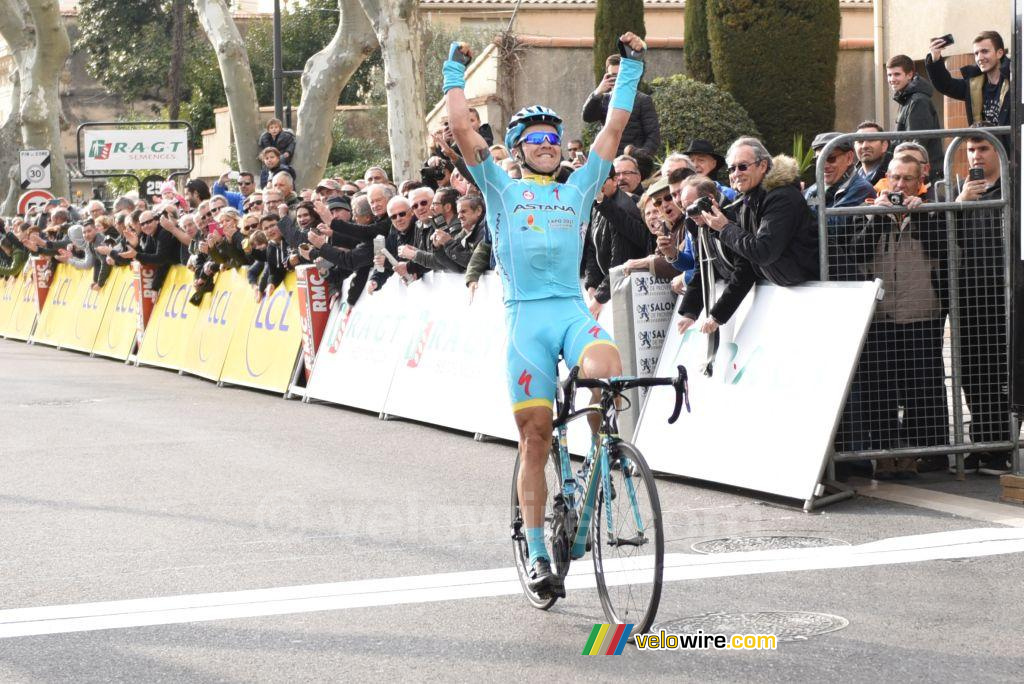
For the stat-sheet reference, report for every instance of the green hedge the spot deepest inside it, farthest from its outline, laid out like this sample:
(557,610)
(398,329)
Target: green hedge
(778,58)
(696,50)
(611,19)
(689,109)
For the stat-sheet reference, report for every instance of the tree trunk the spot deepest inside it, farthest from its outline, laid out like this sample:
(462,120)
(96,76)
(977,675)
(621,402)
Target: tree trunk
(177,57)
(20,41)
(397,27)
(10,144)
(325,75)
(39,75)
(236,74)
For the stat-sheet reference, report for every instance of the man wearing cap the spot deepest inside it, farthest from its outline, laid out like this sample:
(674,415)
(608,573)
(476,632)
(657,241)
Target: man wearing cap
(340,208)
(844,187)
(708,162)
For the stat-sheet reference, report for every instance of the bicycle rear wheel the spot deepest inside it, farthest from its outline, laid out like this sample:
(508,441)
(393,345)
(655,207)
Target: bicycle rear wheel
(520,551)
(629,552)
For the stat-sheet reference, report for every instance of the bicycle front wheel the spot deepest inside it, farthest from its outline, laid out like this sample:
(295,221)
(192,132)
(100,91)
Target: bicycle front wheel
(629,545)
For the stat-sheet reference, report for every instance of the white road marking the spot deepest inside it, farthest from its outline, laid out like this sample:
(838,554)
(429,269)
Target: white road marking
(171,610)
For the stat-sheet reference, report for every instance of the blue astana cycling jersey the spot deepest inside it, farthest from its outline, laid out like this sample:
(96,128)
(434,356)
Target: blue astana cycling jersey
(537,227)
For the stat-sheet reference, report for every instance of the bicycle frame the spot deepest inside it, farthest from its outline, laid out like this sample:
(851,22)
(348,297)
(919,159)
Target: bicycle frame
(594,470)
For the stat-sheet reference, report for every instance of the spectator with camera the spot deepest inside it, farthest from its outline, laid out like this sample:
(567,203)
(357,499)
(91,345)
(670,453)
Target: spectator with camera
(234,199)
(981,296)
(917,111)
(901,364)
(698,195)
(774,228)
(984,86)
(401,233)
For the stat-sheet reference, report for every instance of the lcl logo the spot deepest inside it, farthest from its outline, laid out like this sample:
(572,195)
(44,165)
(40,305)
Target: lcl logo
(126,299)
(61,293)
(178,306)
(91,301)
(265,312)
(219,309)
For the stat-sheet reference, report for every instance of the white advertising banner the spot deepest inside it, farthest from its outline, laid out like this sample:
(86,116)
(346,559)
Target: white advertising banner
(361,348)
(127,149)
(764,419)
(453,370)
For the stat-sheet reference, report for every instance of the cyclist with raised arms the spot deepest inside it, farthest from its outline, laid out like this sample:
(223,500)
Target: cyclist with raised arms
(536,229)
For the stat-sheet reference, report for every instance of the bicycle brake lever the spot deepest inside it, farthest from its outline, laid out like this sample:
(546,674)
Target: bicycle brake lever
(682,388)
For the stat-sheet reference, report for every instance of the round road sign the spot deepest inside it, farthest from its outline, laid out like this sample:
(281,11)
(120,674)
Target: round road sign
(33,199)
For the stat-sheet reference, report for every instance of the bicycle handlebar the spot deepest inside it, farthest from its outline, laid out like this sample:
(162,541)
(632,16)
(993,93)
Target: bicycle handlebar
(679,383)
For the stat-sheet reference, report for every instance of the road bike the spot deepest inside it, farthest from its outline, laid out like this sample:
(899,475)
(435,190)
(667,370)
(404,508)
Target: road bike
(609,505)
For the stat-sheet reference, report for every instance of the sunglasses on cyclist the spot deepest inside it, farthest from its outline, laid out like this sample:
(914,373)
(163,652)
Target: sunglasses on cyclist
(742,168)
(541,137)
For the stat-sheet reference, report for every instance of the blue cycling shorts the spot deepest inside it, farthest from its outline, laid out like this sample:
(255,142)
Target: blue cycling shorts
(538,330)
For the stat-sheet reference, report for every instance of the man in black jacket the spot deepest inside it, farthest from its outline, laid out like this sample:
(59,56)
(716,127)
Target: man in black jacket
(774,228)
(737,272)
(154,247)
(643,130)
(985,86)
(873,155)
(917,111)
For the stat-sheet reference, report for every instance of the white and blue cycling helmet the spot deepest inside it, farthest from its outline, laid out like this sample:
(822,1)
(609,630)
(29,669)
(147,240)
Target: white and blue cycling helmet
(526,117)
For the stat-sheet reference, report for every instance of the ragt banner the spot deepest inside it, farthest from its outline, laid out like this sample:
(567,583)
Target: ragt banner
(127,149)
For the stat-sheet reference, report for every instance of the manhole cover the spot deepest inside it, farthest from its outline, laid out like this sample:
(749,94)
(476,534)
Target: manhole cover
(783,624)
(731,544)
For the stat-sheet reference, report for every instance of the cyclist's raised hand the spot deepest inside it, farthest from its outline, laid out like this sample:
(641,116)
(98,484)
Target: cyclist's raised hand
(460,52)
(633,42)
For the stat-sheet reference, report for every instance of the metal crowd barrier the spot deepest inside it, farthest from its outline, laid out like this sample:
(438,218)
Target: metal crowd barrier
(939,346)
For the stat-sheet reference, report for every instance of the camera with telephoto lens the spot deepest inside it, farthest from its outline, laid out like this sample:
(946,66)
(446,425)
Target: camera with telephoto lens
(701,205)
(438,222)
(895,198)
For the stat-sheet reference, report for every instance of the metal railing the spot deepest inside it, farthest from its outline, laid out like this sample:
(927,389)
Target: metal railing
(900,347)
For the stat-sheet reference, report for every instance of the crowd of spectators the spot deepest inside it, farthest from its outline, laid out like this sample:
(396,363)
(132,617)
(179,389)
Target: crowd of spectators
(680,221)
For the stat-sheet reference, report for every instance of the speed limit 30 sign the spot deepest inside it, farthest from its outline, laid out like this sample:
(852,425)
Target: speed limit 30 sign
(35,169)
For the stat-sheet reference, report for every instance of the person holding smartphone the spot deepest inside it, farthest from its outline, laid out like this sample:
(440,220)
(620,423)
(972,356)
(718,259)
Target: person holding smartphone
(643,129)
(984,86)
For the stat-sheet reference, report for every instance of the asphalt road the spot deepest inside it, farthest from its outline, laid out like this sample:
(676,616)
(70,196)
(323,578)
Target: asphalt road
(131,483)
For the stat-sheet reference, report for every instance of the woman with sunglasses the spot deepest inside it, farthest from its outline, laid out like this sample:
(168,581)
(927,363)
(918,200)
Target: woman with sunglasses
(536,232)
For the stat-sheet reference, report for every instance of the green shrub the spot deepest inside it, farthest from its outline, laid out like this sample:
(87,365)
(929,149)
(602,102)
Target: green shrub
(611,19)
(689,109)
(778,58)
(696,50)
(350,156)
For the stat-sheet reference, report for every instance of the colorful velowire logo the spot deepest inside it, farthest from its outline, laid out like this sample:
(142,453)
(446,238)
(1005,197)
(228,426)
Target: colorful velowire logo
(607,639)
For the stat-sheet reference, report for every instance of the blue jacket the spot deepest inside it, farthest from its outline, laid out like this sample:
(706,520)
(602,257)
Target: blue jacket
(235,199)
(852,192)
